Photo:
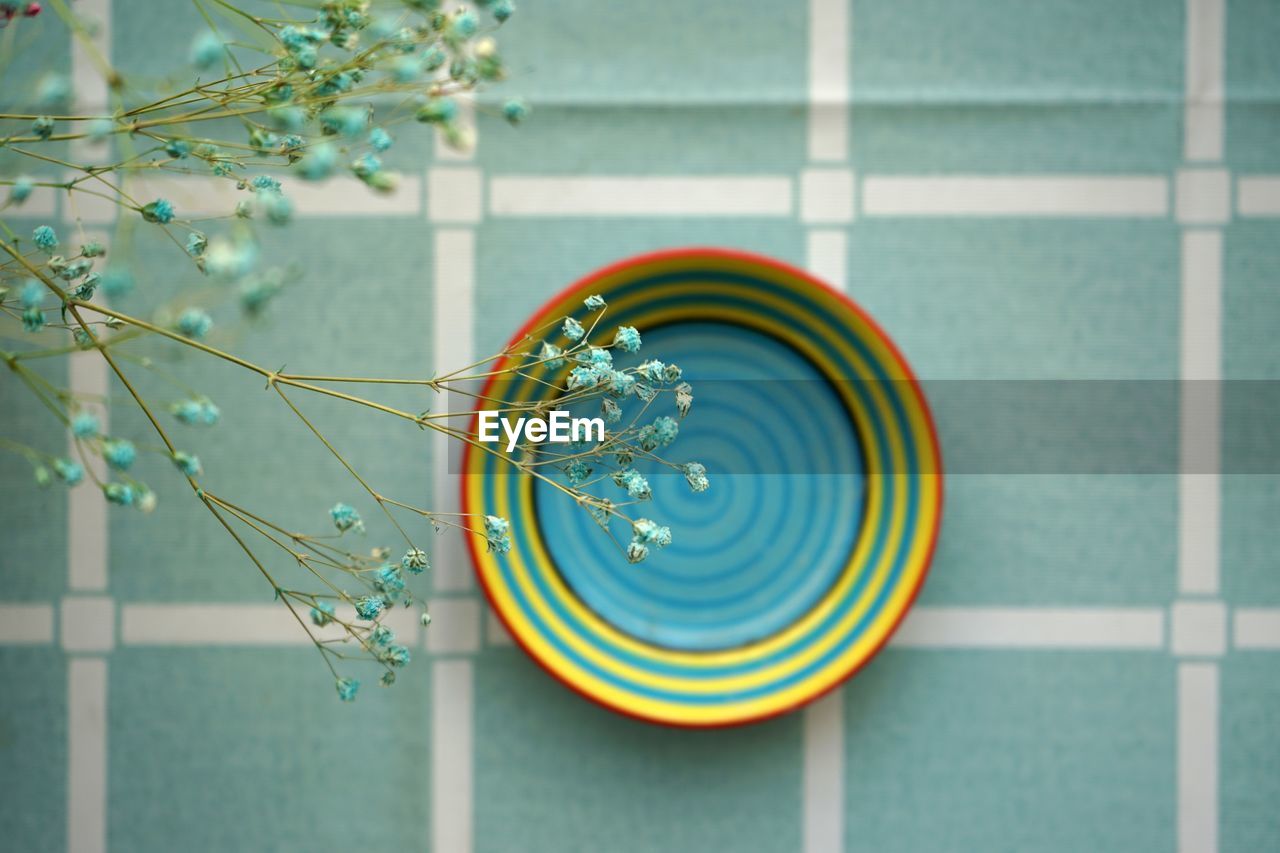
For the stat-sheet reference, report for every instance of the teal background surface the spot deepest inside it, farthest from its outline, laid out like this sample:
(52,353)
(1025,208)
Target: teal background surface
(223,747)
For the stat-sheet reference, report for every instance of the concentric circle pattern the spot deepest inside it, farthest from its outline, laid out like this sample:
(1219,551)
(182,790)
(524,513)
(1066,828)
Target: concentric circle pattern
(801,559)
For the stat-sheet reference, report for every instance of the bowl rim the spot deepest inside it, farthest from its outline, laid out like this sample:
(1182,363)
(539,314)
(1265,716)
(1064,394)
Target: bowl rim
(691,252)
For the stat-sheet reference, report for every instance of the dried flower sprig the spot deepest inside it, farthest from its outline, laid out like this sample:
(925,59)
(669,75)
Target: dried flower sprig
(289,98)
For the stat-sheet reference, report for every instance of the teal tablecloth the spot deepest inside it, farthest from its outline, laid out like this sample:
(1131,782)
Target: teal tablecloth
(220,747)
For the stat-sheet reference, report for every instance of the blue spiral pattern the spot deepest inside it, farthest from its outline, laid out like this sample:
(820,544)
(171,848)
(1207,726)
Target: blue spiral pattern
(760,548)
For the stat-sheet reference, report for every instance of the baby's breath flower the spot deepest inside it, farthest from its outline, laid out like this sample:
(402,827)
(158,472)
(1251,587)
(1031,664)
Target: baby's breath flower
(32,294)
(86,288)
(621,383)
(196,244)
(206,49)
(414,561)
(195,323)
(395,656)
(199,410)
(322,614)
(347,689)
(672,373)
(627,339)
(382,635)
(278,208)
(21,190)
(42,127)
(425,619)
(636,552)
(187,463)
(577,471)
(319,163)
(653,370)
(684,398)
(551,355)
(464,24)
(85,425)
(502,10)
(45,238)
(610,410)
(650,533)
(368,607)
(146,502)
(121,494)
(177,148)
(265,182)
(665,430)
(93,249)
(634,482)
(515,111)
(696,476)
(573,329)
(438,111)
(379,139)
(119,453)
(68,471)
(346,518)
(388,580)
(583,377)
(433,57)
(594,302)
(53,90)
(159,211)
(32,320)
(497,533)
(346,121)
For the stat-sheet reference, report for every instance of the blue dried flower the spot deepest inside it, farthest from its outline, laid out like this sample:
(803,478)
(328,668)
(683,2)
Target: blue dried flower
(196,244)
(121,494)
(502,10)
(322,614)
(636,552)
(99,129)
(573,329)
(650,533)
(265,182)
(200,411)
(594,302)
(206,49)
(497,533)
(347,121)
(395,656)
(551,355)
(22,189)
(68,471)
(345,518)
(515,111)
(42,127)
(187,463)
(634,482)
(119,453)
(414,561)
(621,383)
(653,370)
(85,425)
(159,211)
(32,294)
(45,238)
(464,24)
(32,320)
(347,689)
(627,339)
(379,139)
(177,148)
(368,607)
(382,635)
(665,430)
(611,411)
(577,471)
(438,111)
(389,580)
(195,323)
(695,474)
(434,57)
(583,377)
(319,163)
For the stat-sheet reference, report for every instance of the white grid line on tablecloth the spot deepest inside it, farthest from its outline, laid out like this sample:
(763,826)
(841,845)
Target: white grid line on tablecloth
(828,142)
